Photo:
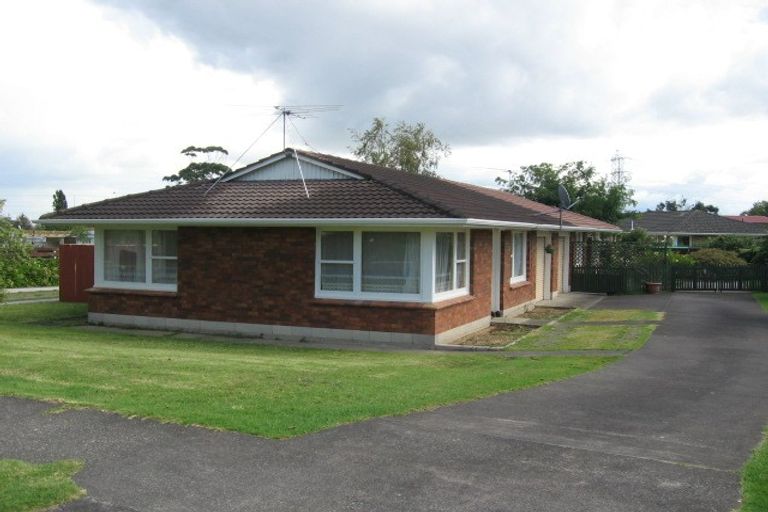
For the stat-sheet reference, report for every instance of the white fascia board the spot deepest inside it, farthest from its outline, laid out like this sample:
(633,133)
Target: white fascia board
(426,222)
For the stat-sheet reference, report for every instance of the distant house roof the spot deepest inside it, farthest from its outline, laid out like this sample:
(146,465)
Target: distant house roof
(692,222)
(750,219)
(357,191)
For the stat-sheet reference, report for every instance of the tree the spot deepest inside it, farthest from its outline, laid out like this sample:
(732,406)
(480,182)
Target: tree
(211,168)
(411,148)
(59,201)
(597,197)
(672,205)
(706,208)
(758,208)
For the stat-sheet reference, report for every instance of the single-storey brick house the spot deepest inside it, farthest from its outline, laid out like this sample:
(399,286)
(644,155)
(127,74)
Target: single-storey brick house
(362,253)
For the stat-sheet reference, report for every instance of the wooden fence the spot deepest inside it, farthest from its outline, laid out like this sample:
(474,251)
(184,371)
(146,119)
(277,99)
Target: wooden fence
(620,268)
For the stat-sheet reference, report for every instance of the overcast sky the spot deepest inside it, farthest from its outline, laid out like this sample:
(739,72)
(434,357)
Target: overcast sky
(98,99)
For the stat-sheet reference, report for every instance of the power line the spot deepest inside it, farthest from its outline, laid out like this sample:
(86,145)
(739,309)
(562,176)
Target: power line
(270,125)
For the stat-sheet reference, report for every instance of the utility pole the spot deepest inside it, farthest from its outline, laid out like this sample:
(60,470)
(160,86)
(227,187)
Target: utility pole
(619,176)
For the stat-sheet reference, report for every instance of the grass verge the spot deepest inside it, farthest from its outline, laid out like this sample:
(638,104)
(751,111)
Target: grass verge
(264,390)
(762,298)
(27,487)
(613,315)
(574,331)
(754,480)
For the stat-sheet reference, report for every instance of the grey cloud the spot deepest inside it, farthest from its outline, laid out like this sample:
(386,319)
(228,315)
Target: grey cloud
(482,76)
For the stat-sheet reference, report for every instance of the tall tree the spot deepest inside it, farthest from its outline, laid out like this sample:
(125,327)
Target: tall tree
(758,208)
(597,196)
(59,201)
(209,169)
(411,148)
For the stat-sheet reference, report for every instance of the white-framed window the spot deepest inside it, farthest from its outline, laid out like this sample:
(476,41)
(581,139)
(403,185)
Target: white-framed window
(519,255)
(391,264)
(451,261)
(135,258)
(360,264)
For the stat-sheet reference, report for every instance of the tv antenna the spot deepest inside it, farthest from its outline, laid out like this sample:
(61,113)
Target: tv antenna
(301,112)
(565,203)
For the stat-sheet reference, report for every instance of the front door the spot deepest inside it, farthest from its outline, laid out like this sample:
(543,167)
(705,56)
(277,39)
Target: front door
(540,265)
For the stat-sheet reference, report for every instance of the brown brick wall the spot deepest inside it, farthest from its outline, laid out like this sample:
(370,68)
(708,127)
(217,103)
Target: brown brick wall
(266,276)
(518,293)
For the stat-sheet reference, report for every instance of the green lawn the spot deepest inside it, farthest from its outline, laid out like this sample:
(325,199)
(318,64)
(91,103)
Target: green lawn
(269,391)
(762,298)
(28,487)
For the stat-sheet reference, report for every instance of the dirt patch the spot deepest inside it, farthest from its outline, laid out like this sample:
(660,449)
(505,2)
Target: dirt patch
(544,313)
(496,336)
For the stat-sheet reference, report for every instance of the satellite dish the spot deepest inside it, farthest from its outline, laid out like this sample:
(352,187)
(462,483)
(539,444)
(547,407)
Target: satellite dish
(565,197)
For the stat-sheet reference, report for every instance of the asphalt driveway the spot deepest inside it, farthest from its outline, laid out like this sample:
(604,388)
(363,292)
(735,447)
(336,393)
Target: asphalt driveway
(666,429)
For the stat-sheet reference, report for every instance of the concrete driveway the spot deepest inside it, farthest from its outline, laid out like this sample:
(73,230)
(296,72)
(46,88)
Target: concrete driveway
(665,429)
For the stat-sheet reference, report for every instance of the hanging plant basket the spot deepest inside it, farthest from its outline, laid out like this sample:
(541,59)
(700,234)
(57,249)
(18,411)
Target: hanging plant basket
(549,249)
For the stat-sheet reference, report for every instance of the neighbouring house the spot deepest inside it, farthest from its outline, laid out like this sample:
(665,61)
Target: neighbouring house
(690,229)
(352,251)
(750,219)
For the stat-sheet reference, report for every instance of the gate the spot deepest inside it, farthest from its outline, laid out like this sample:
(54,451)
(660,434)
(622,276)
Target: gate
(75,272)
(703,277)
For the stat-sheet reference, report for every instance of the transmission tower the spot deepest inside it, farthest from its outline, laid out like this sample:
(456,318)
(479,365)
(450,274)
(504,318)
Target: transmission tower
(619,174)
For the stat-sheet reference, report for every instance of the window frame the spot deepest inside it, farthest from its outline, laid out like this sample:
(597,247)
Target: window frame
(524,276)
(427,256)
(147,284)
(455,291)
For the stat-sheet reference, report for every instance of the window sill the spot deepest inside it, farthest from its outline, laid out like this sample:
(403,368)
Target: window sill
(393,305)
(126,291)
(519,284)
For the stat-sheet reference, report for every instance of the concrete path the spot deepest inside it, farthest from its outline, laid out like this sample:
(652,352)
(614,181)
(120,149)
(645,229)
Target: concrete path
(665,429)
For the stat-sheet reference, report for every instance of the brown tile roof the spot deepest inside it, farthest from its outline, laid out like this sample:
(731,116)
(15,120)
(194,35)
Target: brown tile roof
(691,222)
(260,200)
(462,199)
(386,193)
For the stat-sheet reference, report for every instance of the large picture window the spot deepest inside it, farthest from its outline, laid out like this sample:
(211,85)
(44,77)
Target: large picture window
(391,262)
(138,258)
(519,257)
(414,266)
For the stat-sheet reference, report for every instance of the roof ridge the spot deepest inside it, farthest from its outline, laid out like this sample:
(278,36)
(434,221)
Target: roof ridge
(387,183)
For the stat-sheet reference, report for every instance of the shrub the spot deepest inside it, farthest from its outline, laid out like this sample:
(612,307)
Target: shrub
(18,269)
(718,257)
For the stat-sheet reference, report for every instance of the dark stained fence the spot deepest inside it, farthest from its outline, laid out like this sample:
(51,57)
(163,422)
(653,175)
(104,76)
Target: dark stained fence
(624,268)
(75,272)
(702,277)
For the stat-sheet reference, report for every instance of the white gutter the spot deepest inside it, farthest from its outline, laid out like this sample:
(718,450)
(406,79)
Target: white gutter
(426,222)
